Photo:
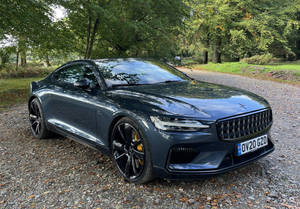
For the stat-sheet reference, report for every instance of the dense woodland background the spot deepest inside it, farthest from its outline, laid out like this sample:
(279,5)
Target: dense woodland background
(207,30)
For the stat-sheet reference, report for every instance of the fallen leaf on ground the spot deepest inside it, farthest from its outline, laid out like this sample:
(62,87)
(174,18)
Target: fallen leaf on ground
(31,196)
(184,199)
(286,205)
(238,195)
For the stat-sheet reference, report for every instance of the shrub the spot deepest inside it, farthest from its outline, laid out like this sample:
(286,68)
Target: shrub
(291,56)
(260,59)
(30,70)
(199,60)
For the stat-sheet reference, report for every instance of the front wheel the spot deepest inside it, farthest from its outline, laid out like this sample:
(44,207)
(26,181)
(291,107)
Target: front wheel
(37,122)
(131,151)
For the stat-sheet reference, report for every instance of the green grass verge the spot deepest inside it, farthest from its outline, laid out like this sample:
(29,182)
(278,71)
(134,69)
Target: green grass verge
(238,67)
(290,70)
(14,91)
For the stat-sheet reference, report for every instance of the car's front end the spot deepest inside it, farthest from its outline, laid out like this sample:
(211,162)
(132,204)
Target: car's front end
(214,148)
(193,128)
(197,129)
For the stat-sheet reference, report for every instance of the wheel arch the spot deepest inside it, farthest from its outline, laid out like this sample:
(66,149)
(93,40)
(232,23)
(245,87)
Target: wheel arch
(111,126)
(137,118)
(32,97)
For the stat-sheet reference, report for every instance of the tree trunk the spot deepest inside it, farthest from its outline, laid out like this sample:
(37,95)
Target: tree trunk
(22,48)
(217,52)
(121,50)
(205,52)
(88,30)
(47,62)
(88,37)
(23,58)
(298,48)
(92,39)
(205,56)
(17,60)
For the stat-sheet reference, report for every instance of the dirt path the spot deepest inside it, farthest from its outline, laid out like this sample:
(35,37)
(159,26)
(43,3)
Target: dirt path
(59,173)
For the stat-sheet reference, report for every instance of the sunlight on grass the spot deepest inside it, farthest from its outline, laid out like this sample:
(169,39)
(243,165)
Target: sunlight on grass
(244,68)
(283,72)
(237,67)
(14,91)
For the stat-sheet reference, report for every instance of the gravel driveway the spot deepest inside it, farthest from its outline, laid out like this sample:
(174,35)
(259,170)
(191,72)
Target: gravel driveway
(60,173)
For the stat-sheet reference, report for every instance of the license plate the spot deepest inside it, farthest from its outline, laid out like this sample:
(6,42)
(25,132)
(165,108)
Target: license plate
(252,145)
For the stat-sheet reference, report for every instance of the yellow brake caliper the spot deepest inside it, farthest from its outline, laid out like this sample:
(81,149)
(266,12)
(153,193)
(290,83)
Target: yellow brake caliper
(139,147)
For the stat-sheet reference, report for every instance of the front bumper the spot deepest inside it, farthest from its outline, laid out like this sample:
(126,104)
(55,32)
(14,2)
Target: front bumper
(192,155)
(229,162)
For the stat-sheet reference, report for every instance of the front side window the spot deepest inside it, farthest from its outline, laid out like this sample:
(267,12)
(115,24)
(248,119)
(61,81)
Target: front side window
(133,71)
(76,73)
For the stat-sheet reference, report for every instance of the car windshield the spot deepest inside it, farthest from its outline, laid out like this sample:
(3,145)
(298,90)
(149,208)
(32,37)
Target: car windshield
(121,72)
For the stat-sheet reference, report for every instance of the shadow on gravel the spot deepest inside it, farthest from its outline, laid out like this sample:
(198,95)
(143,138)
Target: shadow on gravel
(255,169)
(96,163)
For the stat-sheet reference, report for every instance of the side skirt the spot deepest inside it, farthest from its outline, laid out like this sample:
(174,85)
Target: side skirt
(77,135)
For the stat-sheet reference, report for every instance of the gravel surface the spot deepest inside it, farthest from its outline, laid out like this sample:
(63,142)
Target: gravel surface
(60,173)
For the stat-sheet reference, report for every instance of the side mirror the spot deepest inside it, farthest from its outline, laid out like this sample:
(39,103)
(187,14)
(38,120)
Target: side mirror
(83,84)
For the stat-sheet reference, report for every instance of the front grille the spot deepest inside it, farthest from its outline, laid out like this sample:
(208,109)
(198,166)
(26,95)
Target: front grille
(244,126)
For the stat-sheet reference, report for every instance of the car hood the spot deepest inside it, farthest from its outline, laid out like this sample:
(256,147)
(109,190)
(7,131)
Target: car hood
(189,99)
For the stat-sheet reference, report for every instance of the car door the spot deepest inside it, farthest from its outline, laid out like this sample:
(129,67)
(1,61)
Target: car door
(73,108)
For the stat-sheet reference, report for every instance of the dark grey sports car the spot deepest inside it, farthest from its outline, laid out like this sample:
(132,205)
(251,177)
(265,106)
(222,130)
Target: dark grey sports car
(152,119)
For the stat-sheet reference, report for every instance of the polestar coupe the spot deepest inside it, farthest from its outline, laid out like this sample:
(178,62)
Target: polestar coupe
(152,119)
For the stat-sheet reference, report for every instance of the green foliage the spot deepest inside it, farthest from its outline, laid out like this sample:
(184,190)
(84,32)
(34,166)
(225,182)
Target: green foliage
(260,59)
(227,29)
(29,19)
(5,54)
(239,29)
(124,28)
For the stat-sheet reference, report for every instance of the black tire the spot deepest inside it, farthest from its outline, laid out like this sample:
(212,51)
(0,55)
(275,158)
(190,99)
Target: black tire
(37,121)
(140,170)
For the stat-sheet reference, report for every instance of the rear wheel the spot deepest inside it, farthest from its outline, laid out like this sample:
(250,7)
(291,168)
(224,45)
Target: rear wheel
(131,152)
(36,118)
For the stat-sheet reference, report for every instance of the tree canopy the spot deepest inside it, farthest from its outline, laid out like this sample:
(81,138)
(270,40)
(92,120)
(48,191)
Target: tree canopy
(211,29)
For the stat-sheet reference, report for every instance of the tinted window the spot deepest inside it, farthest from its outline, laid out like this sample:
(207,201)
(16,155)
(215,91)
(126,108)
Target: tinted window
(133,71)
(76,73)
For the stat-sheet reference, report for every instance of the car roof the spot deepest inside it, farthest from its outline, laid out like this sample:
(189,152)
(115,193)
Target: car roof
(105,60)
(117,59)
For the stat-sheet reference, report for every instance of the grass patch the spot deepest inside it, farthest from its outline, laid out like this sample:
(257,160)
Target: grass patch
(284,72)
(14,91)
(227,67)
(29,71)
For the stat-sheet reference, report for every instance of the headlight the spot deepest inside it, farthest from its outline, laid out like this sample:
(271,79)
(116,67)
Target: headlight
(175,124)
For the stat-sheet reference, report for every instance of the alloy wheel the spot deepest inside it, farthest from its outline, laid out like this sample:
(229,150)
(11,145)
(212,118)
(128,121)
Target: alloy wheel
(128,150)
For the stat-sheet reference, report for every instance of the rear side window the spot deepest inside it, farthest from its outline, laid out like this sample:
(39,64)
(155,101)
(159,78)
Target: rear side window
(75,73)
